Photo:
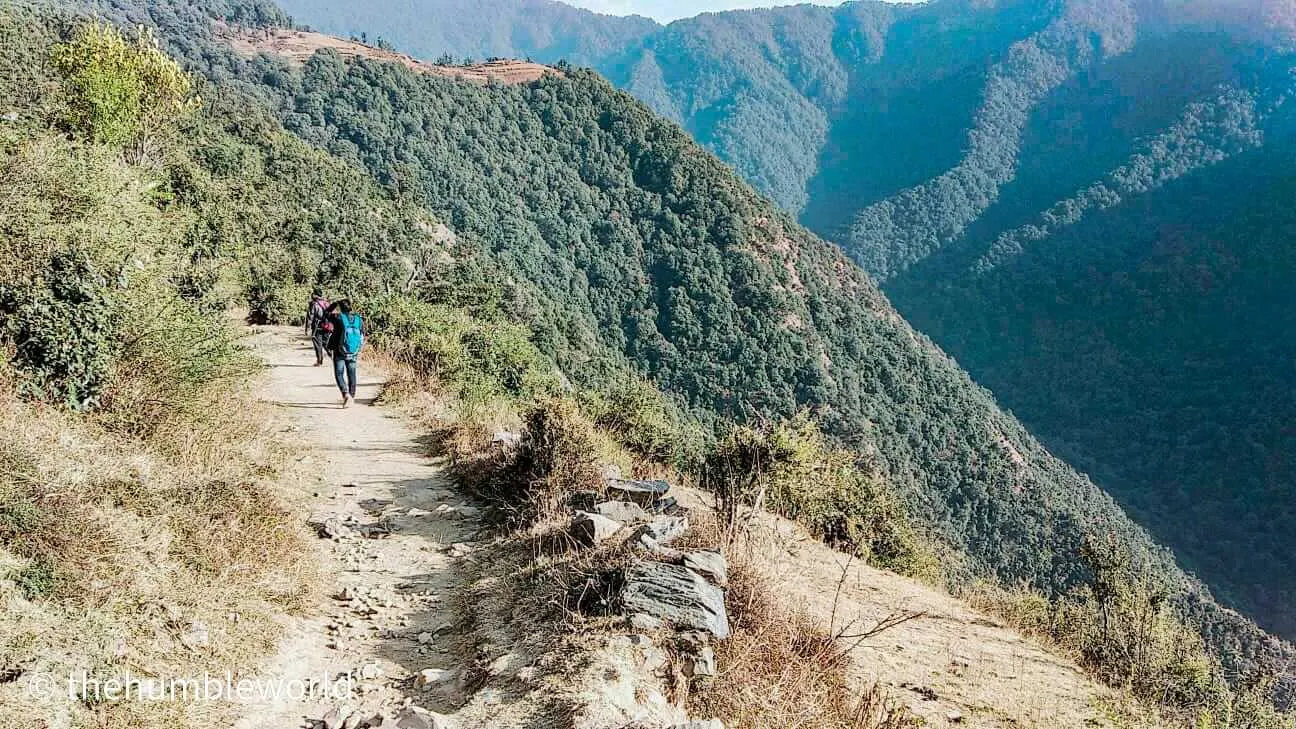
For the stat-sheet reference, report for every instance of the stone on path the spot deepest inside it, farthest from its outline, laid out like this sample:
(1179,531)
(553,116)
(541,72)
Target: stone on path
(432,676)
(416,718)
(336,717)
(333,528)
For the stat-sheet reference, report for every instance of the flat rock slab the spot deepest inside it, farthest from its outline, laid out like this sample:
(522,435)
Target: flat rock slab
(644,493)
(676,595)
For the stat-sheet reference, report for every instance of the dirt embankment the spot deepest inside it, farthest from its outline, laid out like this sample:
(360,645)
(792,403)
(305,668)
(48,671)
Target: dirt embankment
(297,46)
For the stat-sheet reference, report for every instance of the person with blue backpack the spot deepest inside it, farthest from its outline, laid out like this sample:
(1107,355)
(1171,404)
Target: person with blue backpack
(345,345)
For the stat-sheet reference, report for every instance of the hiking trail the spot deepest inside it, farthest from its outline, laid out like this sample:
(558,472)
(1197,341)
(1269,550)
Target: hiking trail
(391,527)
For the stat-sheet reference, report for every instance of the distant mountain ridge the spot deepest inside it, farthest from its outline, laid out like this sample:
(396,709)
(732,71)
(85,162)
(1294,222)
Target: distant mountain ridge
(465,29)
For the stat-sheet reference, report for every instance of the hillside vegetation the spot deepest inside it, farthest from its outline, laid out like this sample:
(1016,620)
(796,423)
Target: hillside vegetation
(142,524)
(520,242)
(1053,191)
(620,244)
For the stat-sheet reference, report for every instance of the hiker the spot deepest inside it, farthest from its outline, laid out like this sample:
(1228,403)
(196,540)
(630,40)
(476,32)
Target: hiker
(318,326)
(344,345)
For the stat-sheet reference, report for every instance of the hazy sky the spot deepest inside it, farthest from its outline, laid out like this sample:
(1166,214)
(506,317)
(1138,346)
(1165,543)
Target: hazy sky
(665,11)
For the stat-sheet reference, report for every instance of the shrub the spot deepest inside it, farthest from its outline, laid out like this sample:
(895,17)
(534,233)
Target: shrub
(1123,629)
(562,452)
(648,423)
(479,361)
(791,469)
(123,93)
(41,578)
(59,323)
(90,309)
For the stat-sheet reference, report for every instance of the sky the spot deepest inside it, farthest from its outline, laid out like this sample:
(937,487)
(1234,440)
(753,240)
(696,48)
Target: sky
(665,11)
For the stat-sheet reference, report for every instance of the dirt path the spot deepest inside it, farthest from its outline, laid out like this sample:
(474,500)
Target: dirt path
(388,565)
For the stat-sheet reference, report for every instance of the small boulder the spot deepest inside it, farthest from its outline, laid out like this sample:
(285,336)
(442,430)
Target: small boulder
(711,565)
(432,677)
(590,529)
(664,529)
(623,511)
(676,595)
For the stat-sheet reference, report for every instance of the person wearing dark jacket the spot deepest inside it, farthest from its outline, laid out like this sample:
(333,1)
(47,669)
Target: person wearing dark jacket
(317,323)
(344,345)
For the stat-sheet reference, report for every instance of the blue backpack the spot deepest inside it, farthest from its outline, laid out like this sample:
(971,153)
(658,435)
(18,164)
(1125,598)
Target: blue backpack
(351,338)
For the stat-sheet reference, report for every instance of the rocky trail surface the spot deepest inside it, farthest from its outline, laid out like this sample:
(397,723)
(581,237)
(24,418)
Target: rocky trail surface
(390,530)
(387,634)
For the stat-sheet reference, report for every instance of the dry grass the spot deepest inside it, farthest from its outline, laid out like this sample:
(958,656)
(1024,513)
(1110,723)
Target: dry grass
(542,594)
(114,548)
(780,669)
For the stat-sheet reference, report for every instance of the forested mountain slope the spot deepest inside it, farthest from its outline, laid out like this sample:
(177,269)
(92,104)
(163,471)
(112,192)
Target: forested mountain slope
(1081,200)
(622,242)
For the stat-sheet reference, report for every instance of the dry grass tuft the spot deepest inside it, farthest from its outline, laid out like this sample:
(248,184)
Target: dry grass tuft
(779,669)
(115,549)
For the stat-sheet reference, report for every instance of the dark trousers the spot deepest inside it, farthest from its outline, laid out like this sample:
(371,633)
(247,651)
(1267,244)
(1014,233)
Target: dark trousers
(318,340)
(344,371)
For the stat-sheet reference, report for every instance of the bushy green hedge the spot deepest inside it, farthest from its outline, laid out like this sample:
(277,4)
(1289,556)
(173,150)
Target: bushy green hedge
(91,254)
(89,307)
(480,361)
(647,422)
(793,470)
